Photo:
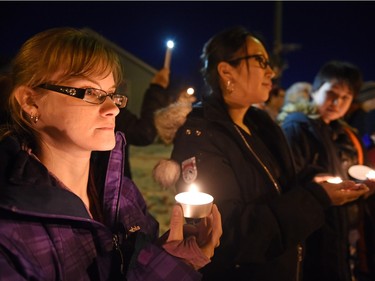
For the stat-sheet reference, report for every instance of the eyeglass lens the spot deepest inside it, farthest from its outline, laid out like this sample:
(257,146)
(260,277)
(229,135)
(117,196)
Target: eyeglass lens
(99,96)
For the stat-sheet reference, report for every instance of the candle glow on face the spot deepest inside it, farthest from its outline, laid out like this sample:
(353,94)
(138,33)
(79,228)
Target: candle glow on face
(370,175)
(335,180)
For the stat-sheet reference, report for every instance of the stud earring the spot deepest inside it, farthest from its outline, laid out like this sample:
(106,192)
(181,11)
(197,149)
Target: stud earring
(230,87)
(35,118)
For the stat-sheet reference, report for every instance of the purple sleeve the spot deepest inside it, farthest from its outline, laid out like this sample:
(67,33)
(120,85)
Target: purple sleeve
(7,272)
(154,264)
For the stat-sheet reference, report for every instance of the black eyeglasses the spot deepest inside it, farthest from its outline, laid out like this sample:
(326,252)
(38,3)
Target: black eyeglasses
(90,95)
(263,62)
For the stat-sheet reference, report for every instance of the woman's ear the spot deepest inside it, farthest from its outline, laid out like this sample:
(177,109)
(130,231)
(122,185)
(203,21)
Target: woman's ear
(225,71)
(26,99)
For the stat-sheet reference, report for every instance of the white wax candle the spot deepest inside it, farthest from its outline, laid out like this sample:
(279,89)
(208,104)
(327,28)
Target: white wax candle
(168,54)
(194,198)
(370,175)
(335,180)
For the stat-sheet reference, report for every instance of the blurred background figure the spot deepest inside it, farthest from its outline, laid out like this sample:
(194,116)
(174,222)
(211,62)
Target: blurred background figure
(297,98)
(322,143)
(298,92)
(170,118)
(362,117)
(275,101)
(140,130)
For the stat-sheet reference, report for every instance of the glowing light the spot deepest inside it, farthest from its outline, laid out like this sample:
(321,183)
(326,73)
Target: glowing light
(370,175)
(170,44)
(335,180)
(168,54)
(195,204)
(194,198)
(190,91)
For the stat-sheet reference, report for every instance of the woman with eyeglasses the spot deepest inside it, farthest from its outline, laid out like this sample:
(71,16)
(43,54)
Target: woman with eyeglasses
(238,154)
(59,218)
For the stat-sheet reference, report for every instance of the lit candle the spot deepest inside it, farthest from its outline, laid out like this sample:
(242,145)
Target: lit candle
(370,175)
(168,54)
(195,204)
(335,180)
(190,91)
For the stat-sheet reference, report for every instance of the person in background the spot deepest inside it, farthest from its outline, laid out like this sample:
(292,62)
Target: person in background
(298,92)
(59,218)
(274,102)
(238,154)
(361,116)
(140,130)
(296,98)
(322,145)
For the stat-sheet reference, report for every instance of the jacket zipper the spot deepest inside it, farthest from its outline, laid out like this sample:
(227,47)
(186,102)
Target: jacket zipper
(299,245)
(299,260)
(116,243)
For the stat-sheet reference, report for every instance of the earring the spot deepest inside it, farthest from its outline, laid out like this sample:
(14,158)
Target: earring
(35,118)
(230,87)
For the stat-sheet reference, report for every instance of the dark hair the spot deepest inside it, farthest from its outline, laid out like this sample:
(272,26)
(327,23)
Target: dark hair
(343,72)
(275,91)
(221,47)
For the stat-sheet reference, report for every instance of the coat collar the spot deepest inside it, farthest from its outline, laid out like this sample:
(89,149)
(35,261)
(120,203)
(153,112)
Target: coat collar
(27,187)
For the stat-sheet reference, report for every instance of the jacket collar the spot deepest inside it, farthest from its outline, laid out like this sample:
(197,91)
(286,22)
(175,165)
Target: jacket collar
(28,187)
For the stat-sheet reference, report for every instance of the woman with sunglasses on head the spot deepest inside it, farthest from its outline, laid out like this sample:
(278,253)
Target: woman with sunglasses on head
(238,154)
(59,218)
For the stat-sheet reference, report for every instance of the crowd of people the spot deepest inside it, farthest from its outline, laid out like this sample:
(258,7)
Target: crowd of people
(275,160)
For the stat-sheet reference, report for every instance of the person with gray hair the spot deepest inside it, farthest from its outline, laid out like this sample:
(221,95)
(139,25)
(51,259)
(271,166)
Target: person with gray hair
(298,92)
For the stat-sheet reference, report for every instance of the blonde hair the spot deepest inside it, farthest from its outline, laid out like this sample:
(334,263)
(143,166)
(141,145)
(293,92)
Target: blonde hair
(66,52)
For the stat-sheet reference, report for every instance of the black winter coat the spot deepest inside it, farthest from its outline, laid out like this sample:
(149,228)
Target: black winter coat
(140,130)
(265,214)
(322,148)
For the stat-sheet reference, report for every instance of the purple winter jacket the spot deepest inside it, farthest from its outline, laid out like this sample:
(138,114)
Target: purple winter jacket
(46,232)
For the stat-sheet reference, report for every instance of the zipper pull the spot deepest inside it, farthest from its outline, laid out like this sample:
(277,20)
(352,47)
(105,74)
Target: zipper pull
(116,244)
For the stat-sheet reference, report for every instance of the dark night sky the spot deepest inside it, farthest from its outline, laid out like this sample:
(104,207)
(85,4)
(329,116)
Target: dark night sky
(324,30)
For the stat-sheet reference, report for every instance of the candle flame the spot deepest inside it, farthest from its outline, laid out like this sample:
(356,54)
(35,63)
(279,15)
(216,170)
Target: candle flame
(193,188)
(170,44)
(190,91)
(370,175)
(335,180)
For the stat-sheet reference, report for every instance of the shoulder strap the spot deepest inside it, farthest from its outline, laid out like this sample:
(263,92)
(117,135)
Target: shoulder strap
(356,143)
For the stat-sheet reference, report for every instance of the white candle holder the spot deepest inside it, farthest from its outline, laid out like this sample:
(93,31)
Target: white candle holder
(195,204)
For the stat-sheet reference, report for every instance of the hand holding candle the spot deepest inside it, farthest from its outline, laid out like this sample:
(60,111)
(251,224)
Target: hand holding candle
(195,204)
(168,54)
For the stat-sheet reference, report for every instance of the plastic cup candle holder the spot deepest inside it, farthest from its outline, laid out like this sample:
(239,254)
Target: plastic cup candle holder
(195,204)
